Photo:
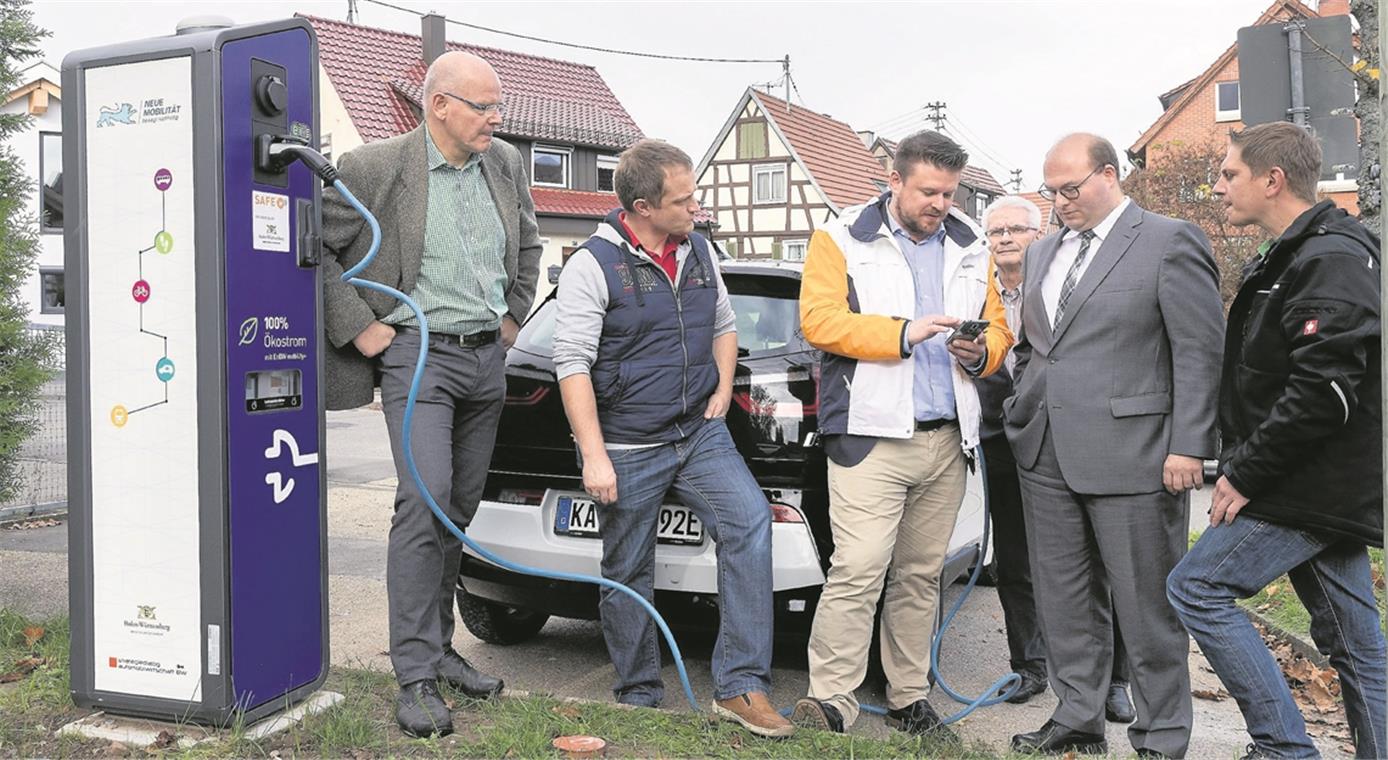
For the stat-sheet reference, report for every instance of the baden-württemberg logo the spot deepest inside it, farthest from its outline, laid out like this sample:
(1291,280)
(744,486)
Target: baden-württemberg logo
(146,622)
(146,612)
(149,111)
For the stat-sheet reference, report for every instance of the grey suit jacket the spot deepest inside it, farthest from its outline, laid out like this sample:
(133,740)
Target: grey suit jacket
(391,178)
(1131,374)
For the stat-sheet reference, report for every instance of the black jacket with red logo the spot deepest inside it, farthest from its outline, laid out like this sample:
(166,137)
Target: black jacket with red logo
(1300,410)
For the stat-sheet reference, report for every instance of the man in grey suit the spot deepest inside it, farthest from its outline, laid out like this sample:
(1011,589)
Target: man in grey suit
(1117,375)
(459,236)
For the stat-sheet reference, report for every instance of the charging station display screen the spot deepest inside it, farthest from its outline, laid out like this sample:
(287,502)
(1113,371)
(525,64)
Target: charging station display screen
(274,390)
(146,569)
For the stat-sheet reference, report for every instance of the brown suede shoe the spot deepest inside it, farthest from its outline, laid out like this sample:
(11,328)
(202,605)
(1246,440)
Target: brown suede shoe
(754,711)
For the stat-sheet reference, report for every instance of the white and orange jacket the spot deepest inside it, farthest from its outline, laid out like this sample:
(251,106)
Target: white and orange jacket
(856,295)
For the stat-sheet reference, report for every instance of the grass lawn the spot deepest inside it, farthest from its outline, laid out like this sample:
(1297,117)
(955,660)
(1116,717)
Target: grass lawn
(34,704)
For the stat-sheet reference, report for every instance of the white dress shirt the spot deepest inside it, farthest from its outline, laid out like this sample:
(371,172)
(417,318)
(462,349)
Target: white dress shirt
(1069,248)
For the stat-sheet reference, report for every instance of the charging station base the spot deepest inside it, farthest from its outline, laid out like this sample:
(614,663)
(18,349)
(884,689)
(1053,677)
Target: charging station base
(141,733)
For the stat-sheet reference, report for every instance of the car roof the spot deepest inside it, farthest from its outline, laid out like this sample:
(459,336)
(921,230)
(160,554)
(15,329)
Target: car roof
(766,266)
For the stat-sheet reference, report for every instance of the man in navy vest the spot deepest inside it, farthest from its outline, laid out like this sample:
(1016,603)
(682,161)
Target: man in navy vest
(645,347)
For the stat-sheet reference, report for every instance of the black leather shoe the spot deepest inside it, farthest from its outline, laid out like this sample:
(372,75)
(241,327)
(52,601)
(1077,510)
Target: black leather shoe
(457,673)
(917,718)
(1118,708)
(421,712)
(1151,754)
(813,713)
(1031,685)
(1055,739)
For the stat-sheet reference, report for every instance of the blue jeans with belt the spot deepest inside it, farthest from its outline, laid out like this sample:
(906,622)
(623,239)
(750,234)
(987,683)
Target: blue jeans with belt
(706,473)
(1332,578)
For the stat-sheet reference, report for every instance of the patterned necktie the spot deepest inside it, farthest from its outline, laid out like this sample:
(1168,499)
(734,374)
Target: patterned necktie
(1072,277)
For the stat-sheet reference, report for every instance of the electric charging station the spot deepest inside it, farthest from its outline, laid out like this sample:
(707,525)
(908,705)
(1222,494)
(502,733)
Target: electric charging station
(198,534)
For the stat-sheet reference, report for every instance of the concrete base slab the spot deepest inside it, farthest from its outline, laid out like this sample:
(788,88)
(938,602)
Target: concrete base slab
(142,732)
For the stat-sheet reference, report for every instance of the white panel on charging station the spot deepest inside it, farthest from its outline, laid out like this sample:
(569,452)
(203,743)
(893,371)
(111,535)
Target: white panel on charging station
(144,421)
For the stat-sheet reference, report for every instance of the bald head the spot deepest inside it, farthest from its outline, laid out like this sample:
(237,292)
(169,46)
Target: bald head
(1081,171)
(455,70)
(462,105)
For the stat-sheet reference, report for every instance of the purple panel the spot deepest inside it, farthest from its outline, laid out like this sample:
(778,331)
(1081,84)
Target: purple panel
(277,631)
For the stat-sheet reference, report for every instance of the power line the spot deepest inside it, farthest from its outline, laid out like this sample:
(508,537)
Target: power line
(978,143)
(594,48)
(1004,166)
(896,118)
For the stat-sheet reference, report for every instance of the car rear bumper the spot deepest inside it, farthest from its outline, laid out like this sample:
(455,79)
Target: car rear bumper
(524,534)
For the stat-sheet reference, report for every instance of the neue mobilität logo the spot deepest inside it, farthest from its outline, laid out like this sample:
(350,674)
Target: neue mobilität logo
(148,111)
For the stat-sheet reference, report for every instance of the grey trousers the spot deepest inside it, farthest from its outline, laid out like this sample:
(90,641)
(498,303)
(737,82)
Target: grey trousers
(453,431)
(1094,558)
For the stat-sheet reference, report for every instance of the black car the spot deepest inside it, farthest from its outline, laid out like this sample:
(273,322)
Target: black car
(534,510)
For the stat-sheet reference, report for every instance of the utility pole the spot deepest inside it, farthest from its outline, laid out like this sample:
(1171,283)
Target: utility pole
(785,70)
(937,114)
(351,11)
(1016,180)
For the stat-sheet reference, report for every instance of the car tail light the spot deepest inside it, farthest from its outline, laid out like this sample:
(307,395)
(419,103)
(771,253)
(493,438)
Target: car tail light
(774,394)
(529,497)
(525,393)
(784,513)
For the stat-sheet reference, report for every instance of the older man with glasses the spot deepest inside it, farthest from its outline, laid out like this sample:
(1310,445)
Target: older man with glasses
(1117,372)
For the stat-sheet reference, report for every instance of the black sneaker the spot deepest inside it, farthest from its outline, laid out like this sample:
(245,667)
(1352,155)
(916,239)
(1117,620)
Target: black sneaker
(813,713)
(421,712)
(918,718)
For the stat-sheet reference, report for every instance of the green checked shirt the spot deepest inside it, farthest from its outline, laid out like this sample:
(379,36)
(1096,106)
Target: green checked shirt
(462,278)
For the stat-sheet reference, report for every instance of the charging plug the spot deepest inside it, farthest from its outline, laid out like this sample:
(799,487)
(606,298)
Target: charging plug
(275,153)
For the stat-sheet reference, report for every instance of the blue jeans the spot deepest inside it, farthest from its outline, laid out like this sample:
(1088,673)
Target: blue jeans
(1332,578)
(706,473)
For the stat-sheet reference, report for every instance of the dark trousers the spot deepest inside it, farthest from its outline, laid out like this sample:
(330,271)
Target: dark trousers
(1025,645)
(452,435)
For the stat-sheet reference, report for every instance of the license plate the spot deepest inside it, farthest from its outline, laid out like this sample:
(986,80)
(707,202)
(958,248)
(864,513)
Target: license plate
(579,517)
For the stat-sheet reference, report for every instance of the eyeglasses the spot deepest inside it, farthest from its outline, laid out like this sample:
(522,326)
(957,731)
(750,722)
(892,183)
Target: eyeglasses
(1070,192)
(482,108)
(1014,230)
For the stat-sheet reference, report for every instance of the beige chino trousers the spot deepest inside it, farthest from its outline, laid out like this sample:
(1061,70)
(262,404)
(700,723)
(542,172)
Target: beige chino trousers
(892,515)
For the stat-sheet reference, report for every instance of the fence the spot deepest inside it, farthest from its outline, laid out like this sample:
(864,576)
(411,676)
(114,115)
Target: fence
(42,460)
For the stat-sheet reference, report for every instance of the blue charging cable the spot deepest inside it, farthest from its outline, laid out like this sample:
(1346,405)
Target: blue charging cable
(1001,689)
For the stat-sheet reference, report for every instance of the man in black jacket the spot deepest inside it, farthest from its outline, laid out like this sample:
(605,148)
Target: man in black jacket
(1300,490)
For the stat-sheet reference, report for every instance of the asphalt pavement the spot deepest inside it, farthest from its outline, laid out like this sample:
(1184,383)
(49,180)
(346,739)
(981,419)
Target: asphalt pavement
(568,657)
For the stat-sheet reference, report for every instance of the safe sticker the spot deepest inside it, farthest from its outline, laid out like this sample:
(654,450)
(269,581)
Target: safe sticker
(270,222)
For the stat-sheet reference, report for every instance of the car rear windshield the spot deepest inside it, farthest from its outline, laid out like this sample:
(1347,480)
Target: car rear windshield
(767,309)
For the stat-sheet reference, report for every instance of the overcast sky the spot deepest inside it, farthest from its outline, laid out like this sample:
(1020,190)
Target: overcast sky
(1015,74)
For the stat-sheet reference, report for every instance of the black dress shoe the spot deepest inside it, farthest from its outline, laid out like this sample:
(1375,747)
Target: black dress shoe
(1055,739)
(1151,754)
(813,713)
(458,673)
(421,712)
(1118,708)
(918,718)
(1031,685)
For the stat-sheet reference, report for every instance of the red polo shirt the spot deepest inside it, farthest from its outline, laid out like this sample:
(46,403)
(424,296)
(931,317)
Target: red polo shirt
(666,258)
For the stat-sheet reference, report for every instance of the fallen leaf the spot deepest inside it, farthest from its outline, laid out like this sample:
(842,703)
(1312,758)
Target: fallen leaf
(1069,756)
(32,634)
(1320,696)
(736,741)
(22,668)
(164,740)
(1272,590)
(274,754)
(116,749)
(1215,695)
(1264,607)
(566,711)
(1301,669)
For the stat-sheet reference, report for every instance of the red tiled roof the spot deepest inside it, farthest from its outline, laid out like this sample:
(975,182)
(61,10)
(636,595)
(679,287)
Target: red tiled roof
(980,179)
(555,201)
(560,202)
(832,152)
(1045,207)
(379,73)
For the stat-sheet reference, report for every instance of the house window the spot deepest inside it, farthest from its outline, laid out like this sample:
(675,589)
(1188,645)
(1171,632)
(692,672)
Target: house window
(550,166)
(751,140)
(325,145)
(769,183)
(51,297)
(607,171)
(794,250)
(1227,101)
(981,201)
(51,183)
(730,248)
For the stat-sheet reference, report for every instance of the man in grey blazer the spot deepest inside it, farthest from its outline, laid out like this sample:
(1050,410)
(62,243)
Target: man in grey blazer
(1117,375)
(459,236)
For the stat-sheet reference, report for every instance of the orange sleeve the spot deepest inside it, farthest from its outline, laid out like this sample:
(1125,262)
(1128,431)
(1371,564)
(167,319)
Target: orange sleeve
(998,336)
(826,320)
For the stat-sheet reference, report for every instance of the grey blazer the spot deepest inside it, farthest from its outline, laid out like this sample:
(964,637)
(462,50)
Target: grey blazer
(390,177)
(1131,374)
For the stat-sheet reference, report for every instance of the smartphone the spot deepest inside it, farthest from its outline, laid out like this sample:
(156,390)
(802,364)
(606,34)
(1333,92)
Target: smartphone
(969,329)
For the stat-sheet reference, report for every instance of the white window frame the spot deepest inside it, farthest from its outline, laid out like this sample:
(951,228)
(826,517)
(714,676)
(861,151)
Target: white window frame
(1232,114)
(44,273)
(567,154)
(803,244)
(606,162)
(783,186)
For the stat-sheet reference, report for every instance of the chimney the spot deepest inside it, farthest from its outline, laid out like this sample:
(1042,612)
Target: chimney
(867,137)
(1333,8)
(435,43)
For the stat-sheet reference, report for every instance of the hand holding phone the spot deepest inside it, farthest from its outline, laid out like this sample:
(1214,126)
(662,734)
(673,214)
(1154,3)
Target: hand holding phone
(968,330)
